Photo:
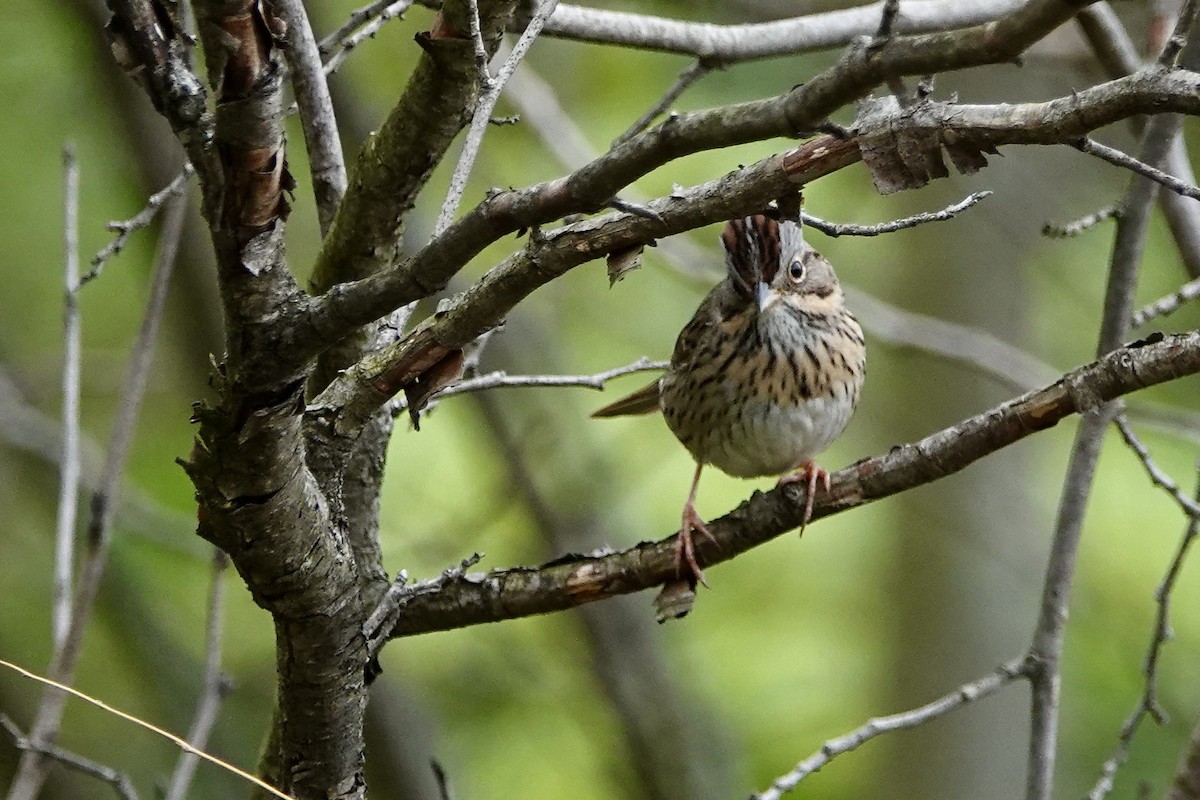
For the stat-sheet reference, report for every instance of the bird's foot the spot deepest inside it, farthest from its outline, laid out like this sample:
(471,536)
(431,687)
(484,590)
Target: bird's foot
(809,473)
(685,547)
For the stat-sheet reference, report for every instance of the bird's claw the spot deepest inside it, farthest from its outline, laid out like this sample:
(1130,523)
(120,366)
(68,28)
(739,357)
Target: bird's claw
(685,548)
(809,473)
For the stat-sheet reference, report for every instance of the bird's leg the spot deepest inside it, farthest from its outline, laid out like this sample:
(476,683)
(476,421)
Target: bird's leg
(685,548)
(810,473)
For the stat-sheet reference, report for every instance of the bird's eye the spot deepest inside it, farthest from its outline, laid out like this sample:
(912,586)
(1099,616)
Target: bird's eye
(796,271)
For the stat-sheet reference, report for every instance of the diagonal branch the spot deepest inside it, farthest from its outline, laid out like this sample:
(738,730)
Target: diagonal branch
(483,108)
(1125,161)
(577,579)
(799,111)
(983,126)
(397,160)
(1166,305)
(967,693)
(375,379)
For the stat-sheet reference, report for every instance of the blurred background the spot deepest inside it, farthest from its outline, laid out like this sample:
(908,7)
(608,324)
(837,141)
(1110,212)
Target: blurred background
(873,612)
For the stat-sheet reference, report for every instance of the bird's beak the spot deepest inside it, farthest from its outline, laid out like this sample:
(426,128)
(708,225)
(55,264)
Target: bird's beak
(763,295)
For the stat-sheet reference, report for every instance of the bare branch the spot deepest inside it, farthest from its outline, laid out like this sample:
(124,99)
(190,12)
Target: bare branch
(887,20)
(500,379)
(983,126)
(690,75)
(1157,476)
(1117,53)
(850,229)
(362,25)
(483,112)
(1174,44)
(1085,223)
(326,163)
(31,770)
(1148,705)
(733,43)
(399,593)
(158,58)
(481,55)
(118,780)
(70,458)
(142,219)
(1116,157)
(215,684)
(967,693)
(1046,648)
(1166,305)
(578,579)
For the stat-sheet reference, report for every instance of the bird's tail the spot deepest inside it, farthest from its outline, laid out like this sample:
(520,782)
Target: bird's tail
(643,401)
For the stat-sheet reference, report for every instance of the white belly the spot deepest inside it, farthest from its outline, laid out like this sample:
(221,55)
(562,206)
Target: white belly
(772,440)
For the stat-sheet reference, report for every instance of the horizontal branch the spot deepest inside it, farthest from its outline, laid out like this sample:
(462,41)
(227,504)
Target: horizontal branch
(851,229)
(501,379)
(727,44)
(577,579)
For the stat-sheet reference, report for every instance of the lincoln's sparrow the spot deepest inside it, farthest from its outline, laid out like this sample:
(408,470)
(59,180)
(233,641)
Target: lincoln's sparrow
(767,373)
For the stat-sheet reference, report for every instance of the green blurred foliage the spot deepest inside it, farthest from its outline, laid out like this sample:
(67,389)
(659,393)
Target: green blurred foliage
(799,640)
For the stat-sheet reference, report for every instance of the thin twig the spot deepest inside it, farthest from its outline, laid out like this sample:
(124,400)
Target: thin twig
(1117,53)
(31,770)
(502,380)
(481,55)
(1157,476)
(1174,44)
(483,112)
(358,18)
(1166,305)
(216,684)
(68,492)
(1148,704)
(137,377)
(967,693)
(337,47)
(1045,650)
(118,780)
(327,165)
(125,228)
(850,229)
(1084,223)
(379,624)
(692,73)
(176,740)
(1117,158)
(887,19)
(883,35)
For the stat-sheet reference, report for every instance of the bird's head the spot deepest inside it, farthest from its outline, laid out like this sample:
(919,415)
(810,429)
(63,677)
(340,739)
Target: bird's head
(769,261)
